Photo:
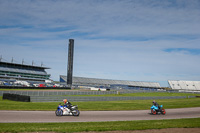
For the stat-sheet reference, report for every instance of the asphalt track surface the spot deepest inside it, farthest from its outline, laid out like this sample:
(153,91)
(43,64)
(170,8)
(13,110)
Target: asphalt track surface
(94,116)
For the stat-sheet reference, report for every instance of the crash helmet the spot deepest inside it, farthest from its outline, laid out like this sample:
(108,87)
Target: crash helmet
(64,100)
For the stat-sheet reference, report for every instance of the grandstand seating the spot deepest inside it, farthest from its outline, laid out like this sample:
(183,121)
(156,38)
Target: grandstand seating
(23,72)
(107,82)
(184,85)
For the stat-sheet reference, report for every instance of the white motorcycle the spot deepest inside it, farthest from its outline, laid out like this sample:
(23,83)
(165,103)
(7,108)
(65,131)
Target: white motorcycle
(67,110)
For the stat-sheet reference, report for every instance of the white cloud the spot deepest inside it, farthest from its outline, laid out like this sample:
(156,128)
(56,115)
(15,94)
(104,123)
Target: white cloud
(113,39)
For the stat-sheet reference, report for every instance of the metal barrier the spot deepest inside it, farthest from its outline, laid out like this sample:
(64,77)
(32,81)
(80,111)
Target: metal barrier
(58,96)
(93,98)
(75,92)
(55,93)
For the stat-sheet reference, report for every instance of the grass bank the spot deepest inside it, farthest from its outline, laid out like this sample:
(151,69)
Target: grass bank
(101,105)
(100,126)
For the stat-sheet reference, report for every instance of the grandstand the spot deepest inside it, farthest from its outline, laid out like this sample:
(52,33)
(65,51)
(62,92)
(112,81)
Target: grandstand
(14,71)
(108,82)
(184,85)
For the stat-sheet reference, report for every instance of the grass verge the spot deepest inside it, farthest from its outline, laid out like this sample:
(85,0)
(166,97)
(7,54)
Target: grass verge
(100,126)
(102,105)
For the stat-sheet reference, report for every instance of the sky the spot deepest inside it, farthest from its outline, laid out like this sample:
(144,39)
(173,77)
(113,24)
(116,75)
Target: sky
(135,40)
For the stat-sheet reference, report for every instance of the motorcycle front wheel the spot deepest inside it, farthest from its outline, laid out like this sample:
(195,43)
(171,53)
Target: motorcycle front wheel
(58,113)
(163,111)
(153,112)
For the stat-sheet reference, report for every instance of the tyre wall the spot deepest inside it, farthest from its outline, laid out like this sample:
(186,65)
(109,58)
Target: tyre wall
(16,97)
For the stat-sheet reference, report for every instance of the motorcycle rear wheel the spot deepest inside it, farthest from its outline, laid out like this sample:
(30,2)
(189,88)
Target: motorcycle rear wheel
(75,113)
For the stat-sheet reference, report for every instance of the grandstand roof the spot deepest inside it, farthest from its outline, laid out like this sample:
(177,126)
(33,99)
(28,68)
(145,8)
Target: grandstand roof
(22,70)
(22,65)
(95,81)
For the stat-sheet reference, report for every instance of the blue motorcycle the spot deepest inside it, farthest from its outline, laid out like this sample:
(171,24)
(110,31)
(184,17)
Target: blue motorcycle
(157,110)
(67,110)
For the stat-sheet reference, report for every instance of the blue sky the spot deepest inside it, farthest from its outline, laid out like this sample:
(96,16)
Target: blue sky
(137,40)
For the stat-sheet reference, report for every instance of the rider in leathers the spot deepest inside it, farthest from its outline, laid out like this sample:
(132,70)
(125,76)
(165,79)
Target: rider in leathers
(67,104)
(156,104)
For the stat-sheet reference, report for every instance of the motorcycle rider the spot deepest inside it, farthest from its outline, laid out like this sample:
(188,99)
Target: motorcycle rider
(67,104)
(156,104)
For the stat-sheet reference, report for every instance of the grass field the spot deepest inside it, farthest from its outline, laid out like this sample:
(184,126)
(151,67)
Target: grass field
(104,105)
(100,126)
(101,105)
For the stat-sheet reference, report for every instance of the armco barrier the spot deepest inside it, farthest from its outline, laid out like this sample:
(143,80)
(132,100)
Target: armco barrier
(101,98)
(75,92)
(71,92)
(54,93)
(16,97)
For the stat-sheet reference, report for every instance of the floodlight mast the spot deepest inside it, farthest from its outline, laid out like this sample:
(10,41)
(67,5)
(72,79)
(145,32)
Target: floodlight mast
(70,62)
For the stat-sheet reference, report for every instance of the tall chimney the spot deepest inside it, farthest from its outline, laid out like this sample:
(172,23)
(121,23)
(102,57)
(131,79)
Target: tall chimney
(70,62)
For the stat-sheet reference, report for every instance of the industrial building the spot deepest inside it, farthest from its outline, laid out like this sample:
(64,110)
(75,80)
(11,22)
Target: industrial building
(15,71)
(78,81)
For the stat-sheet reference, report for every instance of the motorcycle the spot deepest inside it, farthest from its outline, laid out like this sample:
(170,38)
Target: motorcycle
(155,110)
(67,110)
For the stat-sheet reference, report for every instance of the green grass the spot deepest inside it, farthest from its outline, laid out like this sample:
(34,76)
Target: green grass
(101,105)
(139,104)
(100,126)
(104,105)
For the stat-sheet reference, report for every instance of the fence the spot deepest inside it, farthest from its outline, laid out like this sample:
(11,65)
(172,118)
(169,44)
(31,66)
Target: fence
(74,92)
(54,93)
(58,96)
(93,98)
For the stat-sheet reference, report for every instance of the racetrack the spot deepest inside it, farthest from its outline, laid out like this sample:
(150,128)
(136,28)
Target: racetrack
(91,116)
